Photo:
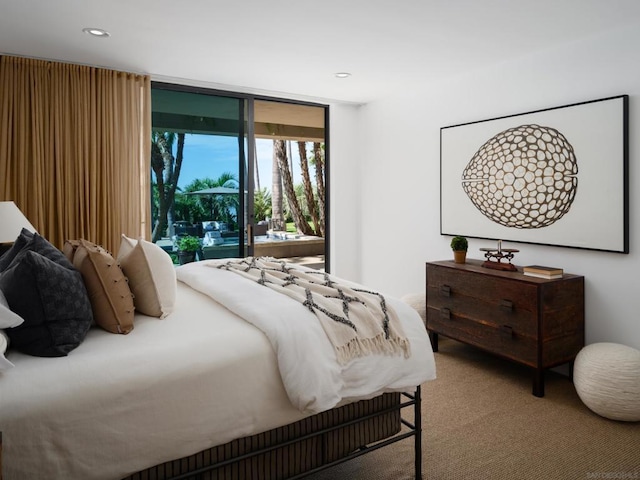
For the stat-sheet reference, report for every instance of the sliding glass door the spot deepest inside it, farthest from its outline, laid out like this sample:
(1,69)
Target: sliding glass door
(197,163)
(290,192)
(243,176)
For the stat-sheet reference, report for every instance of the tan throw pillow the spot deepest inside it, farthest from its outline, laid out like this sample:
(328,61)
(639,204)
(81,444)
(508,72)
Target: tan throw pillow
(109,293)
(151,275)
(69,249)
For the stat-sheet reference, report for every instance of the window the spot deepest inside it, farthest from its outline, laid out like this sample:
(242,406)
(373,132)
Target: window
(208,147)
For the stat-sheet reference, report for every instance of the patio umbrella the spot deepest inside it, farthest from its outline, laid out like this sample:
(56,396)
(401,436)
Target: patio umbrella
(215,191)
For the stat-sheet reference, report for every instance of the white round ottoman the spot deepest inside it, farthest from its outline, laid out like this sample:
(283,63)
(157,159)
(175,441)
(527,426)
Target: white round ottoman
(607,379)
(419,303)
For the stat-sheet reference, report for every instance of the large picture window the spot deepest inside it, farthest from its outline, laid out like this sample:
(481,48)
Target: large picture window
(244,176)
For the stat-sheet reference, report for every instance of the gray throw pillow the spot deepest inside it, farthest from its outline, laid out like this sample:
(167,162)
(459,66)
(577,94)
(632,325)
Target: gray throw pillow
(42,246)
(53,302)
(7,257)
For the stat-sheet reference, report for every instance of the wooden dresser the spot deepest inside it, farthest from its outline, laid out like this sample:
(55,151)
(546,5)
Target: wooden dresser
(532,321)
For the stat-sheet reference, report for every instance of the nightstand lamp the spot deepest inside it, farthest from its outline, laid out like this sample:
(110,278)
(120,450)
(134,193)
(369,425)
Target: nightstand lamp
(12,221)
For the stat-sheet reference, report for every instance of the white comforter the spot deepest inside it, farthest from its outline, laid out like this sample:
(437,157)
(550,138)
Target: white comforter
(313,379)
(121,403)
(200,377)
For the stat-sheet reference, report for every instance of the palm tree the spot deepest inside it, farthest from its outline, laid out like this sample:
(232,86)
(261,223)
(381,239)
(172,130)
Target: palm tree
(257,170)
(280,153)
(261,204)
(166,168)
(318,162)
(212,207)
(277,218)
(308,188)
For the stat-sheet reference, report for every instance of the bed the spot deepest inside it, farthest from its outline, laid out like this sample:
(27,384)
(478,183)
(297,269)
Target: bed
(200,387)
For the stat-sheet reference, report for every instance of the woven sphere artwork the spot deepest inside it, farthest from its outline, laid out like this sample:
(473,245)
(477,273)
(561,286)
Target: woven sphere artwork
(524,177)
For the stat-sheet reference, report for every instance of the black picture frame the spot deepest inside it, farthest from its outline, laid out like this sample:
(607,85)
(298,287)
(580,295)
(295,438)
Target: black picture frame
(556,176)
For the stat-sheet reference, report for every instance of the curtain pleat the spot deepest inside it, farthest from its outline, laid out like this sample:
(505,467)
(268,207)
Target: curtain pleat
(75,149)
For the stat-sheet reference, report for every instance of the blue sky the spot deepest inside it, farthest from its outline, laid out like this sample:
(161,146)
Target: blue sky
(210,156)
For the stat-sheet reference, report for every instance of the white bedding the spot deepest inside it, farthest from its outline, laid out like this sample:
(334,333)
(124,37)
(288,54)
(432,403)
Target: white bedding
(313,378)
(172,387)
(121,403)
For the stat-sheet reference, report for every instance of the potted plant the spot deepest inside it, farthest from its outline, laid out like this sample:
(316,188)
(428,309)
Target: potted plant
(187,248)
(459,245)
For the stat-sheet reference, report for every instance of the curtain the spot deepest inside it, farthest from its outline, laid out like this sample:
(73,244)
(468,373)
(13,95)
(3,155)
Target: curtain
(75,149)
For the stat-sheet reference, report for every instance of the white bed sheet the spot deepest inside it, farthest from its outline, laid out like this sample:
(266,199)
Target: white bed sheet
(121,403)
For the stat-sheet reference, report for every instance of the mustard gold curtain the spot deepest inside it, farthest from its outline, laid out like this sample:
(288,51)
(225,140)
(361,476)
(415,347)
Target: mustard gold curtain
(75,149)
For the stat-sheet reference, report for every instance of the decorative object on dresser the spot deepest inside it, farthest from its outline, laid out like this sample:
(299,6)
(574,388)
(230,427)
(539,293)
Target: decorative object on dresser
(459,245)
(541,271)
(535,322)
(494,258)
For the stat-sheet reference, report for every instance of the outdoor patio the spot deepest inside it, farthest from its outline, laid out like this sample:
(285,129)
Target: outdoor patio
(301,249)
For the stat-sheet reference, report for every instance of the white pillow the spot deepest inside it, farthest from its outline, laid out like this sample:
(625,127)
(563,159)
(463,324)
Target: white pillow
(8,319)
(152,277)
(4,344)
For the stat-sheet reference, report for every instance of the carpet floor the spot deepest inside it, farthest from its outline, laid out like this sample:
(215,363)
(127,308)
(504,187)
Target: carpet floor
(480,421)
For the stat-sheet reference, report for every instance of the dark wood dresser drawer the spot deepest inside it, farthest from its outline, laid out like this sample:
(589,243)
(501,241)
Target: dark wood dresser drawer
(493,302)
(503,340)
(536,322)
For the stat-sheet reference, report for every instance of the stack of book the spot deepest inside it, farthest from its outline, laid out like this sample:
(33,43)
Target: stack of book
(542,271)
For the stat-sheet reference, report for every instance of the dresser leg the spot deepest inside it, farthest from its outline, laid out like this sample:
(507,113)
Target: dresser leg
(538,382)
(434,341)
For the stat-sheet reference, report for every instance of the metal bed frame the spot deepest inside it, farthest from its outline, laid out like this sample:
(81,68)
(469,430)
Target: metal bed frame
(409,400)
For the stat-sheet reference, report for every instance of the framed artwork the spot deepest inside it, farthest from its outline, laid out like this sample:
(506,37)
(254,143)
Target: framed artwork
(557,176)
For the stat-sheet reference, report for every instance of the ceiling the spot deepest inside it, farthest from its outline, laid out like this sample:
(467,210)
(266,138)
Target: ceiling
(293,48)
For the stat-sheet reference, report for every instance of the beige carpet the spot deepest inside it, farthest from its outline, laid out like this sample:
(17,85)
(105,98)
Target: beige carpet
(481,422)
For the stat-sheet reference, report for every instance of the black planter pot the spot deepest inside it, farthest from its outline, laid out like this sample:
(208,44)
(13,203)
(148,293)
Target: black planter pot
(186,257)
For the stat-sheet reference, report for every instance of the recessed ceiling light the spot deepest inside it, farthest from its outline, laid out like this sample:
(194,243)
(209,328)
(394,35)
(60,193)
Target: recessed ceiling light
(343,75)
(96,32)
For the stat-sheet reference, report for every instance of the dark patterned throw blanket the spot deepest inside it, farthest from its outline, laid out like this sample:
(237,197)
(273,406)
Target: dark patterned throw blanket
(357,322)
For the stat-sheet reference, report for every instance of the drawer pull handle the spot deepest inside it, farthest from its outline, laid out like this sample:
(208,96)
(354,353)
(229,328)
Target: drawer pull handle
(445,314)
(445,290)
(506,331)
(506,305)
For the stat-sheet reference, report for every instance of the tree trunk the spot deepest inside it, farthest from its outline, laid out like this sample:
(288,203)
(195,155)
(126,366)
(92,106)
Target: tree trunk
(280,152)
(277,216)
(308,188)
(167,170)
(255,150)
(289,156)
(319,164)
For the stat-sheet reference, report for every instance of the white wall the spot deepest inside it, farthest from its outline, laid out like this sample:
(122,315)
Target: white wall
(344,188)
(398,174)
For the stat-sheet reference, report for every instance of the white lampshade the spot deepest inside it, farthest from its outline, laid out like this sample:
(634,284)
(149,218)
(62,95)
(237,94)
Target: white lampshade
(12,221)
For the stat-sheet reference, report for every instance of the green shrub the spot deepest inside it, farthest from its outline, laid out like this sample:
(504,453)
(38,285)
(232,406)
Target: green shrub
(459,243)
(189,244)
